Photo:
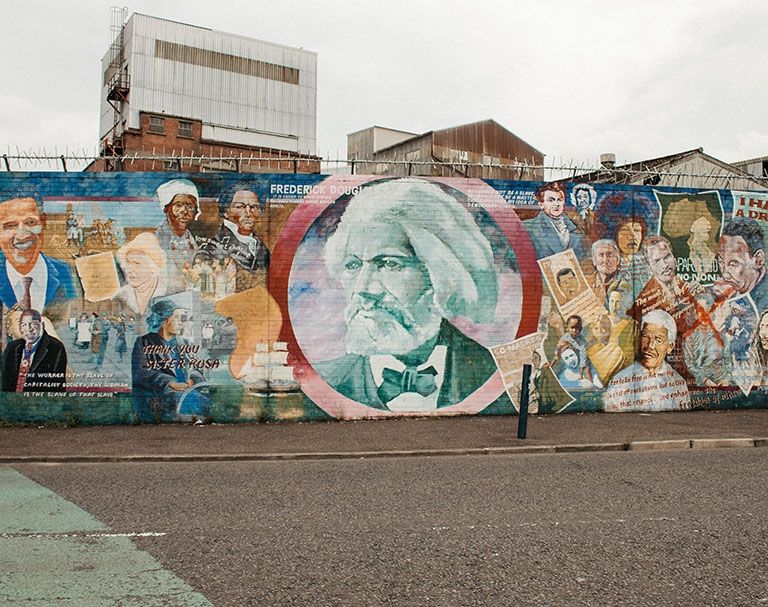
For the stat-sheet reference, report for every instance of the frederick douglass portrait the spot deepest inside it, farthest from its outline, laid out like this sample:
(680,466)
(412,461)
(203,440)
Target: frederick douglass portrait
(410,258)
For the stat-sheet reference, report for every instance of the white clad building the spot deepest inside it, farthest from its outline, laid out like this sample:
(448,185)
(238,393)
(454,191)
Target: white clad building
(182,82)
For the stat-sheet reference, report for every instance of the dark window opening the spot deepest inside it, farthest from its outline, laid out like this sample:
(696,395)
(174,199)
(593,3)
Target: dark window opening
(156,124)
(185,128)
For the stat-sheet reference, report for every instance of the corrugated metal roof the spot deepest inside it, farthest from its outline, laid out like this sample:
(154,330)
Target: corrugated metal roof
(486,136)
(651,164)
(491,122)
(404,141)
(750,161)
(627,173)
(386,128)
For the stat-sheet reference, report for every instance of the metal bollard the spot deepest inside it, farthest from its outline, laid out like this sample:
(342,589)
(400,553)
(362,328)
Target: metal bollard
(522,421)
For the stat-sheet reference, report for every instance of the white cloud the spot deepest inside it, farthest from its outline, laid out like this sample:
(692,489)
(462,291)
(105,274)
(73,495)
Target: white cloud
(573,79)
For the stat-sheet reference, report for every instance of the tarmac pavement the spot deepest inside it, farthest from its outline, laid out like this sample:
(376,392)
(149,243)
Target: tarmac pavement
(386,438)
(146,530)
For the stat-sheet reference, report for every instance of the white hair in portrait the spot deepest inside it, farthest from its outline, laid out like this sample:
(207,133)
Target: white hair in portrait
(660,318)
(442,233)
(454,256)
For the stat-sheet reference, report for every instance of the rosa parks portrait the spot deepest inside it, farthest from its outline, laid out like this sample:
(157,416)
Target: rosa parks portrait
(409,265)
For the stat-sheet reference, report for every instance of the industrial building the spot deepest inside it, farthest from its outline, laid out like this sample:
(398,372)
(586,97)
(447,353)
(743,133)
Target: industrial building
(690,169)
(482,149)
(754,166)
(208,100)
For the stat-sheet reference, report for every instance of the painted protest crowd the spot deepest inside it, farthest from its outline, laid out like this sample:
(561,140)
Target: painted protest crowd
(397,295)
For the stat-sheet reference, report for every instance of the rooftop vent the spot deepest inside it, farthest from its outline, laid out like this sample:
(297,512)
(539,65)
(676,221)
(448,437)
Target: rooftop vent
(608,161)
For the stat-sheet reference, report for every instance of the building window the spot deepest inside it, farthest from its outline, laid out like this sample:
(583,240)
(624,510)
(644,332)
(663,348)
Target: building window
(227,63)
(156,124)
(185,128)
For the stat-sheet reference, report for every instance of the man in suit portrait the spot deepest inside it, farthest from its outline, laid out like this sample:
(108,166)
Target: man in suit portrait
(410,257)
(665,290)
(35,363)
(551,230)
(27,276)
(741,256)
(236,238)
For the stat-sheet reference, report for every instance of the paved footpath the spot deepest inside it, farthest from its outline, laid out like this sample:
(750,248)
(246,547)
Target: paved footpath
(390,437)
(54,553)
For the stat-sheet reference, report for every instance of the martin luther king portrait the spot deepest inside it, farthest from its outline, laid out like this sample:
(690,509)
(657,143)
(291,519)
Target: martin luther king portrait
(410,257)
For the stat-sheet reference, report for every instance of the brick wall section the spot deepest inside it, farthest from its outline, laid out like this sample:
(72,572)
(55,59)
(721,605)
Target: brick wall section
(144,142)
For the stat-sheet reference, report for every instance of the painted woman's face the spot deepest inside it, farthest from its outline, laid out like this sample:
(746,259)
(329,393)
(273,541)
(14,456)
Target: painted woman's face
(570,358)
(629,238)
(180,211)
(582,199)
(762,331)
(139,268)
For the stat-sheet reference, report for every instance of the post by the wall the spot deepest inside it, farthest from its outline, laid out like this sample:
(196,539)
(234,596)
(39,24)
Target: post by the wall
(522,421)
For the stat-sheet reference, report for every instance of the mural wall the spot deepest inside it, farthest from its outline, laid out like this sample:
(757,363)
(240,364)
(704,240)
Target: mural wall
(161,297)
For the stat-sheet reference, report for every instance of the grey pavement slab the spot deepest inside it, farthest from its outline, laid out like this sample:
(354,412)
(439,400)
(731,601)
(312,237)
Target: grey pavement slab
(660,445)
(401,434)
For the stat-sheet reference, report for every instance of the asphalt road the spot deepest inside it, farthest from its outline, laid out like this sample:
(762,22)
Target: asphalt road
(670,528)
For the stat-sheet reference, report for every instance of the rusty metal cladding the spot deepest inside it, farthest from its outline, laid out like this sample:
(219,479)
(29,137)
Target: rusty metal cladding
(491,140)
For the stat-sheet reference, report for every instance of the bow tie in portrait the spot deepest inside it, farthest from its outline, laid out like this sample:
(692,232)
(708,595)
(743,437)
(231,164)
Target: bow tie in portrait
(410,380)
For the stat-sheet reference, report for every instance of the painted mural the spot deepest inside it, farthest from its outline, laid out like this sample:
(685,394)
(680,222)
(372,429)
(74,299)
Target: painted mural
(162,297)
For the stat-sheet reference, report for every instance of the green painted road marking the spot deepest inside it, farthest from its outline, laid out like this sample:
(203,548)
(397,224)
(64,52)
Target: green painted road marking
(27,506)
(54,553)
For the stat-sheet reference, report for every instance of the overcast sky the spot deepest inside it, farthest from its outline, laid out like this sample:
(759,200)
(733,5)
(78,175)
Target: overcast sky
(573,78)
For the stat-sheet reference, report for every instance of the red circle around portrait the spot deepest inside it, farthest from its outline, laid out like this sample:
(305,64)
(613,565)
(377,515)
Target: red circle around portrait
(300,222)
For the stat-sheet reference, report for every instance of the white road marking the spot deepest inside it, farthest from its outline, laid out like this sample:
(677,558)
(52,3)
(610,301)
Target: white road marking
(82,534)
(613,521)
